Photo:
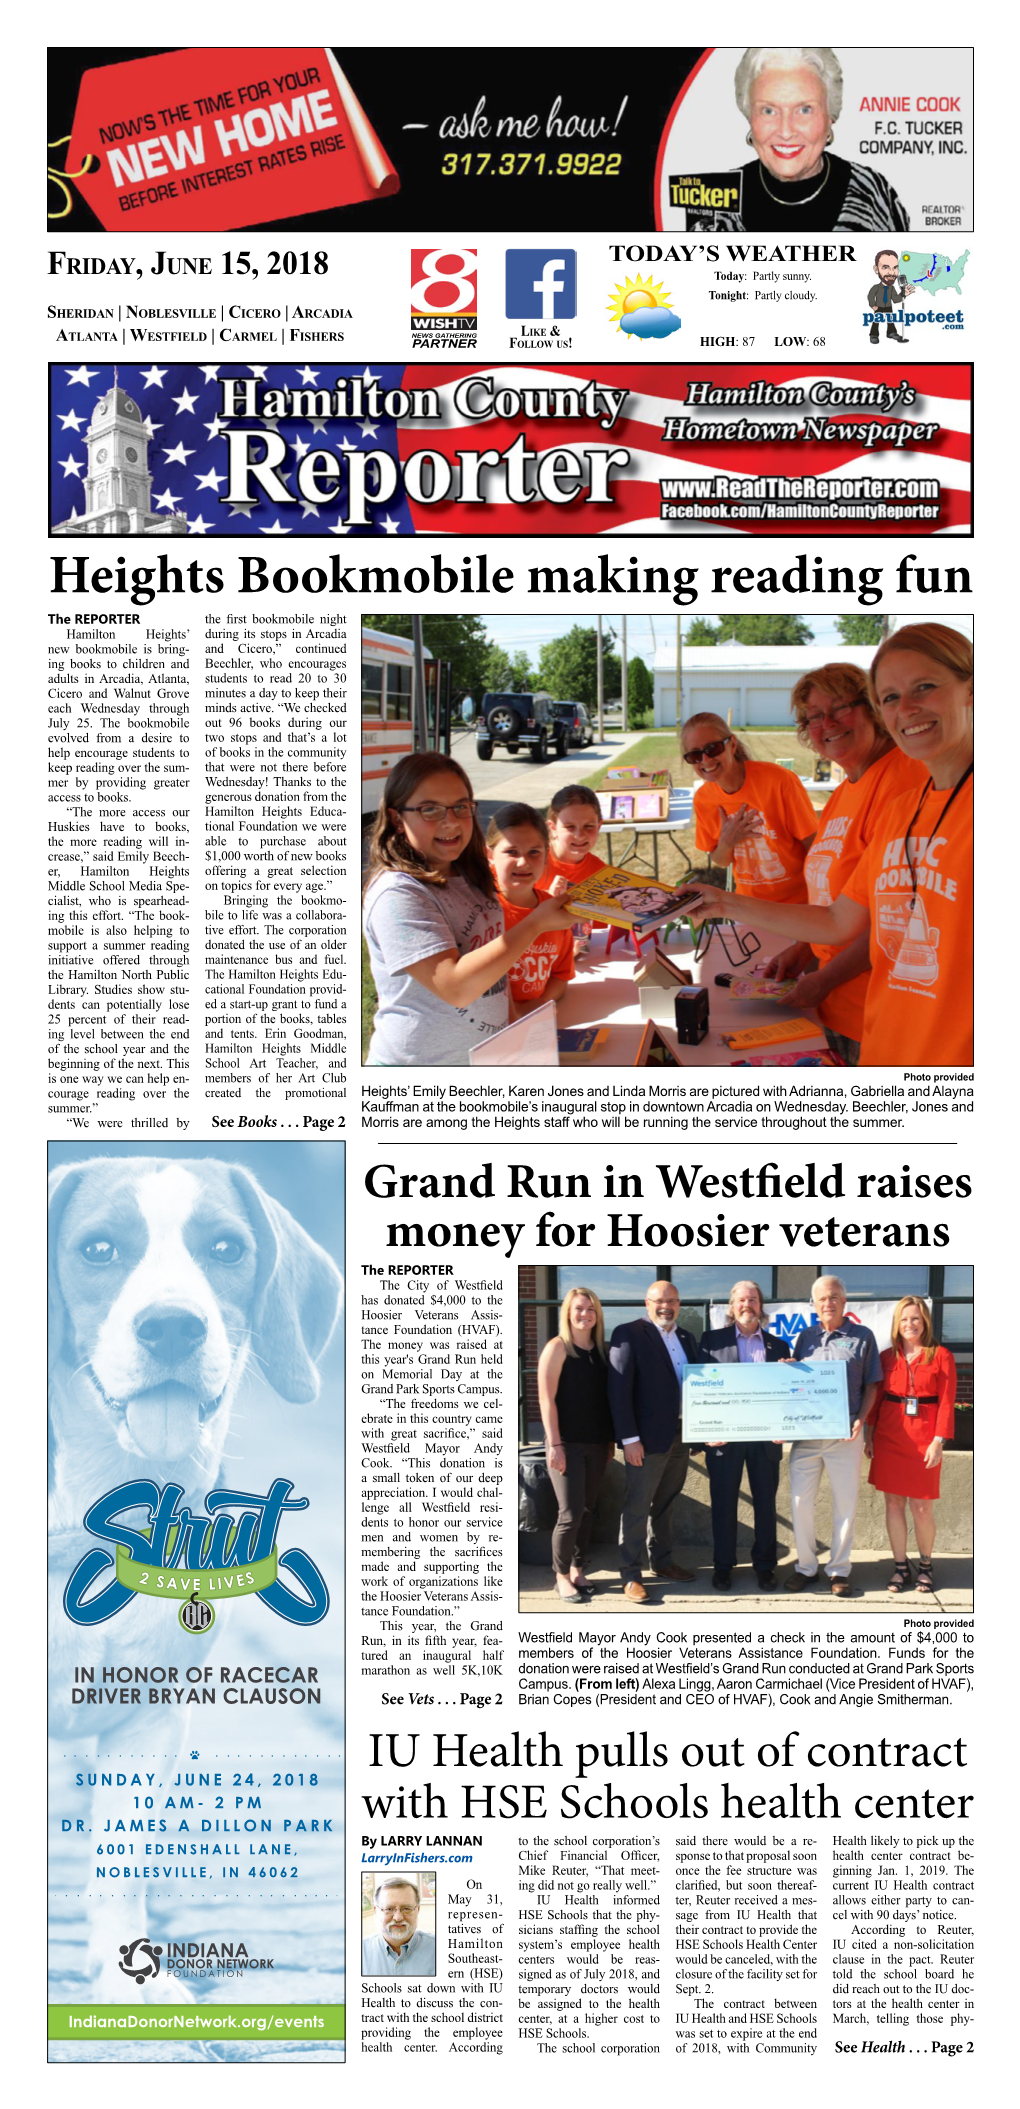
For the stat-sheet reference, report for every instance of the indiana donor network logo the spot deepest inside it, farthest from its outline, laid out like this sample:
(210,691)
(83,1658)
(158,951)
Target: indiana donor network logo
(444,299)
(140,1971)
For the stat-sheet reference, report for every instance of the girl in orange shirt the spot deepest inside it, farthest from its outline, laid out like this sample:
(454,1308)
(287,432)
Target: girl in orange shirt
(913,889)
(575,823)
(517,844)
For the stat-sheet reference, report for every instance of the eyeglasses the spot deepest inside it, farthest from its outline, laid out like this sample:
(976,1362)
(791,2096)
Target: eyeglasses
(838,715)
(463,810)
(714,747)
(396,1911)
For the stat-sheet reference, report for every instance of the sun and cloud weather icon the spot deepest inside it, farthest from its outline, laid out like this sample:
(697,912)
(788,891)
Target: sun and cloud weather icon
(641,309)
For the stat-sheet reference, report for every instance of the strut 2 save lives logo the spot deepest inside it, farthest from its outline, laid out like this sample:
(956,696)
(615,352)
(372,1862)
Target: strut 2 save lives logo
(190,1559)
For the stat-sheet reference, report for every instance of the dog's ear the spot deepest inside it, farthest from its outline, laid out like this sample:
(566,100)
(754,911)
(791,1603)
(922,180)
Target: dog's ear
(297,1295)
(62,1184)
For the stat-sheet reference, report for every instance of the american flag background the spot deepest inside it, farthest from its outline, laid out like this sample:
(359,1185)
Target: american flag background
(187,447)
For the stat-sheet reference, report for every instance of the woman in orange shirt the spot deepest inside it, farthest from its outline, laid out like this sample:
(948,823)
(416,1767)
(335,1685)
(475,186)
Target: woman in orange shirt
(913,889)
(910,1418)
(750,814)
(836,717)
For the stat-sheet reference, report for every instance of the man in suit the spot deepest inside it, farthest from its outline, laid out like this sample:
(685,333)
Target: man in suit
(889,292)
(745,1339)
(647,1360)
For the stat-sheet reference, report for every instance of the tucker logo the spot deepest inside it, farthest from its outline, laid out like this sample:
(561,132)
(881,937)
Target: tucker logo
(701,196)
(187,1559)
(130,1966)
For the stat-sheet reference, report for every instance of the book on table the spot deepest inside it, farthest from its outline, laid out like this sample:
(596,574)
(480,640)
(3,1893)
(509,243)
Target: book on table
(652,779)
(788,1028)
(581,1043)
(755,986)
(790,1061)
(659,971)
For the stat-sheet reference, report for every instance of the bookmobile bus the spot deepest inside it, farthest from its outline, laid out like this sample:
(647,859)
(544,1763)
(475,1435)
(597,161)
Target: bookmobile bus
(388,708)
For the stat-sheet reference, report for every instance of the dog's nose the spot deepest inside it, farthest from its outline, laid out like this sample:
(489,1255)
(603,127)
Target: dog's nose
(170,1332)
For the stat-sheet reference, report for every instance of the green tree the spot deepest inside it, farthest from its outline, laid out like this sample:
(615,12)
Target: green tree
(505,669)
(499,672)
(640,692)
(461,639)
(568,666)
(861,629)
(750,629)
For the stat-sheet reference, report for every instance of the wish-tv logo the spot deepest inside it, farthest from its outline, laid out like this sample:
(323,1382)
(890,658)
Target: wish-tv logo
(541,285)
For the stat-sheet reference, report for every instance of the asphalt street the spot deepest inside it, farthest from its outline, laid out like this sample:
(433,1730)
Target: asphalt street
(510,776)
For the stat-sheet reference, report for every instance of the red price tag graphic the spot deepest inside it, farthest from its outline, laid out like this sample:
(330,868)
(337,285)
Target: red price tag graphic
(444,282)
(205,140)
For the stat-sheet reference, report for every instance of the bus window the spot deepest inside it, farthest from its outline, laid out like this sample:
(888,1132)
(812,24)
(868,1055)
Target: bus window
(371,691)
(398,694)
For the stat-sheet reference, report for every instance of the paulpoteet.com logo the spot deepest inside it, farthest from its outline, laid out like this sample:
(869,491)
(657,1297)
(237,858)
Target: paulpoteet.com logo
(131,1968)
(541,284)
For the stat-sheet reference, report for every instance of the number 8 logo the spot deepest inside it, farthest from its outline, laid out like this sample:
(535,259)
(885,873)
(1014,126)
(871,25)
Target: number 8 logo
(445,269)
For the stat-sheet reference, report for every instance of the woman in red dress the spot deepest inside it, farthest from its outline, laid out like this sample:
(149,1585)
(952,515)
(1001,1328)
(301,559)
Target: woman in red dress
(909,1421)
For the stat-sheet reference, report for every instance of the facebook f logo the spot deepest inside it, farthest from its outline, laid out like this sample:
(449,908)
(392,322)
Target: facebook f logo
(541,284)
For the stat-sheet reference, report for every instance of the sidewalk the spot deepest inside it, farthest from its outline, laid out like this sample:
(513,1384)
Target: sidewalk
(953,1593)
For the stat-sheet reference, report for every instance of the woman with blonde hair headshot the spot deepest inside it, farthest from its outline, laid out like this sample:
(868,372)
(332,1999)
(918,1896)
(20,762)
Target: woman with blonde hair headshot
(574,1404)
(838,720)
(910,1420)
(750,814)
(791,96)
(913,888)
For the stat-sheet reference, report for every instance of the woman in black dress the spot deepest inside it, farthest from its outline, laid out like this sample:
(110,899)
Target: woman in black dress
(578,1427)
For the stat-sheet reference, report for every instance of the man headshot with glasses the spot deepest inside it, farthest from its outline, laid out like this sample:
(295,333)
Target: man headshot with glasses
(398,1948)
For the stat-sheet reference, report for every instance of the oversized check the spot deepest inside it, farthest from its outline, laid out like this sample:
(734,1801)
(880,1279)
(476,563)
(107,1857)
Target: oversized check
(753,1402)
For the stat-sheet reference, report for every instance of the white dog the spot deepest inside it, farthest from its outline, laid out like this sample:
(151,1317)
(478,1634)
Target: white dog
(168,1276)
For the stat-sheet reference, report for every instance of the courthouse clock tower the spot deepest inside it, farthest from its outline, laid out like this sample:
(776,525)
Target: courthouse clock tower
(118,486)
